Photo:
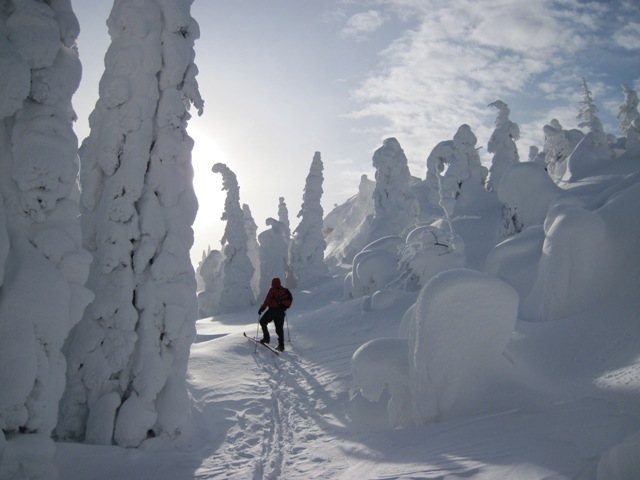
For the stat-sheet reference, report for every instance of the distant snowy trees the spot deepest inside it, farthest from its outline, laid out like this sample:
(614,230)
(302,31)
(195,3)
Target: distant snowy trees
(593,150)
(236,270)
(43,267)
(127,358)
(274,254)
(306,254)
(283,217)
(502,144)
(629,117)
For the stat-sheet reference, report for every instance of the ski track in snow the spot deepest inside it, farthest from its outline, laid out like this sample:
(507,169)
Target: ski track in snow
(297,418)
(283,415)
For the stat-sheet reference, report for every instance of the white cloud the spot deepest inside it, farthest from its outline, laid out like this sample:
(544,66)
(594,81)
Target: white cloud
(628,36)
(362,24)
(461,55)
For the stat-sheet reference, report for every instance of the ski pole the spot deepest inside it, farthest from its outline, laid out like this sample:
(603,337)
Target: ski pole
(257,333)
(286,319)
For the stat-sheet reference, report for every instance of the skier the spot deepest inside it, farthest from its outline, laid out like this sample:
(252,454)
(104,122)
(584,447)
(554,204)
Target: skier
(278,299)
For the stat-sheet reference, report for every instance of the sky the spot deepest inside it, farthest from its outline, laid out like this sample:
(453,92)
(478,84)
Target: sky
(282,79)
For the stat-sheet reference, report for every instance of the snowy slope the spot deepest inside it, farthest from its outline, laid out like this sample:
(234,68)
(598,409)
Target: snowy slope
(260,416)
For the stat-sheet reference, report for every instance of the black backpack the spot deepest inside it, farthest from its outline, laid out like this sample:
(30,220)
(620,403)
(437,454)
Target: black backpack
(285,299)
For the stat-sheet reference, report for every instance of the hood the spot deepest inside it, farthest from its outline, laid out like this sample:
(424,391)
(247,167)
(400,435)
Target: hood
(275,282)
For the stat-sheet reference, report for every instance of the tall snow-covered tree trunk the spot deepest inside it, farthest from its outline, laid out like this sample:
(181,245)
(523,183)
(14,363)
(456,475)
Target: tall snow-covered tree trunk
(502,144)
(306,254)
(237,269)
(43,267)
(128,357)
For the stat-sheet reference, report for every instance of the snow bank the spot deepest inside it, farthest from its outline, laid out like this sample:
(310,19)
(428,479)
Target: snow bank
(460,326)
(381,366)
(621,462)
(573,268)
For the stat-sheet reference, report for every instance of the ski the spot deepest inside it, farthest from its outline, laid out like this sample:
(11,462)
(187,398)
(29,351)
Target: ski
(263,344)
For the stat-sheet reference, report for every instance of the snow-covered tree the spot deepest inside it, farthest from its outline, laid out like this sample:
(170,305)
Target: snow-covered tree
(593,150)
(628,110)
(43,267)
(306,254)
(253,249)
(210,271)
(629,117)
(127,358)
(274,254)
(502,144)
(463,166)
(394,205)
(558,145)
(237,270)
(283,217)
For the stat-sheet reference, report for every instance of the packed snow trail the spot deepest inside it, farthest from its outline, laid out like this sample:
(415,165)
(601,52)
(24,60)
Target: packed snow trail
(281,409)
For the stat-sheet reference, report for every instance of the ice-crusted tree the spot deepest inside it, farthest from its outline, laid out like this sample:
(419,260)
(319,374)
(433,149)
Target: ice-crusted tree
(237,269)
(628,110)
(283,217)
(628,116)
(306,254)
(127,358)
(502,144)
(394,204)
(274,254)
(253,249)
(593,150)
(558,147)
(43,267)
(210,272)
(464,171)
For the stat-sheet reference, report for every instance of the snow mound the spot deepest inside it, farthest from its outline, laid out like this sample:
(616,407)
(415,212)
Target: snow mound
(381,366)
(460,326)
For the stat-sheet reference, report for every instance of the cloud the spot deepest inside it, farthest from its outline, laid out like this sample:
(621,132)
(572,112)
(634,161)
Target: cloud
(628,37)
(360,25)
(459,56)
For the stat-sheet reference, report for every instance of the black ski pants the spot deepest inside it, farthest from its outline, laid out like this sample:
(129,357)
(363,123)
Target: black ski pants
(277,316)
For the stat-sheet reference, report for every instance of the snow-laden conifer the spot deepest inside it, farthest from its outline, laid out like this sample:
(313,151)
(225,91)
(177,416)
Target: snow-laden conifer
(502,144)
(253,249)
(394,205)
(558,147)
(306,254)
(210,271)
(283,217)
(629,118)
(274,254)
(128,357)
(43,267)
(237,270)
(593,150)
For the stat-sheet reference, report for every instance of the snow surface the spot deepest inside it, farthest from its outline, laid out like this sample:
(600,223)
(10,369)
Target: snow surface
(529,400)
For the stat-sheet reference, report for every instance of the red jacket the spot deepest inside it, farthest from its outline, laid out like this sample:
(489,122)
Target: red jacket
(271,300)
